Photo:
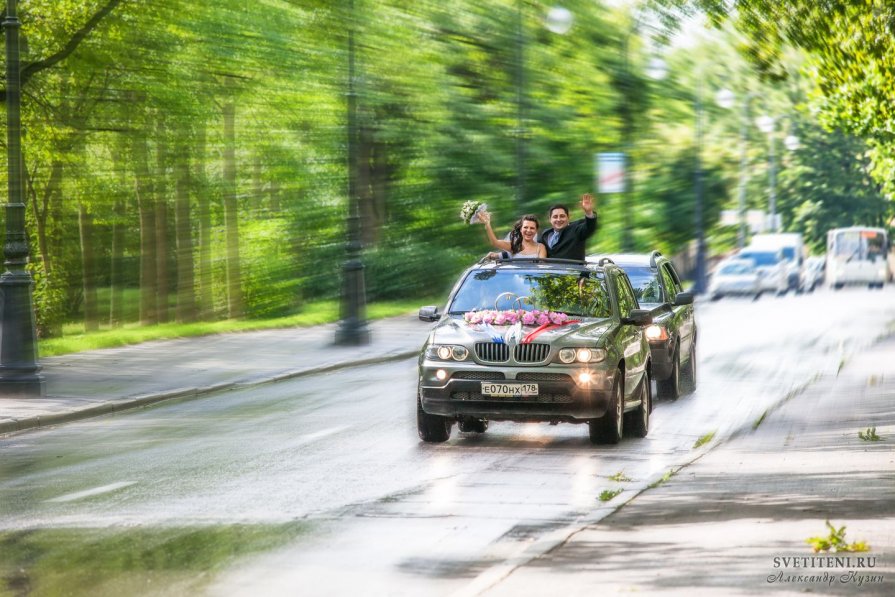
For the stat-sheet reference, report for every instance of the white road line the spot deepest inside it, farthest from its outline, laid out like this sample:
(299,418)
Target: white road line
(70,497)
(321,434)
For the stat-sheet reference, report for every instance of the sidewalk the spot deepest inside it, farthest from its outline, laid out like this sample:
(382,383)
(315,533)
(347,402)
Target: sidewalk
(735,521)
(99,382)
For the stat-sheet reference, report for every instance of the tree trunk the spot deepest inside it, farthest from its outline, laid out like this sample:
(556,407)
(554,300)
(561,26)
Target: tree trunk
(144,193)
(119,223)
(231,222)
(88,269)
(161,224)
(206,304)
(186,300)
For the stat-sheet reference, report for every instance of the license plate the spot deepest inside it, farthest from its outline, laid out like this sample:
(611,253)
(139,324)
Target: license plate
(509,390)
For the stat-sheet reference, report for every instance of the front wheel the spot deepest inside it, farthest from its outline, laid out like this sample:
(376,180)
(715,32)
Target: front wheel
(433,429)
(671,388)
(609,428)
(639,419)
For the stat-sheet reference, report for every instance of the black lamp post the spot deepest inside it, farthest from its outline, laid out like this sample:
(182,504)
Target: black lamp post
(19,369)
(352,329)
(699,277)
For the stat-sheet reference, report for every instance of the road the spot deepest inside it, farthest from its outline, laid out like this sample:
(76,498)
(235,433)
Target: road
(321,484)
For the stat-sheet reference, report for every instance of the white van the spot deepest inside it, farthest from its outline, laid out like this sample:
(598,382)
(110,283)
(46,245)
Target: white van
(790,243)
(772,268)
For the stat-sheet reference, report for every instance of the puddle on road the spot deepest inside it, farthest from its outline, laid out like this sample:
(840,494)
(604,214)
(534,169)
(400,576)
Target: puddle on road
(129,561)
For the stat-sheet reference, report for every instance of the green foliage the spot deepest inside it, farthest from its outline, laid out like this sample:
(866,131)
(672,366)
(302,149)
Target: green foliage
(620,477)
(129,128)
(608,494)
(49,303)
(665,478)
(704,440)
(869,435)
(835,541)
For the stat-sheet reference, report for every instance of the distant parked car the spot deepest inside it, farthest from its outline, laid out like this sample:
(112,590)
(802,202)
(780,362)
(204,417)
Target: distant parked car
(813,273)
(672,335)
(735,277)
(546,340)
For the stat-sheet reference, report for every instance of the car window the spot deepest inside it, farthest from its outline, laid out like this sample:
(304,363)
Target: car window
(670,283)
(580,293)
(626,300)
(645,282)
(732,269)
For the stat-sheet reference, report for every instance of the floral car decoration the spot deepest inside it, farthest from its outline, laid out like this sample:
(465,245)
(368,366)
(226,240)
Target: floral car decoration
(511,317)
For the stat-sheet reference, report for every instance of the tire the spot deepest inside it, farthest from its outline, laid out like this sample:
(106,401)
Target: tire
(671,388)
(473,425)
(688,373)
(637,424)
(609,428)
(431,428)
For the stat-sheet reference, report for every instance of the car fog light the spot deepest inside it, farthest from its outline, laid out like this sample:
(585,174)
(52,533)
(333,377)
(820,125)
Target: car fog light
(444,352)
(583,355)
(440,375)
(585,377)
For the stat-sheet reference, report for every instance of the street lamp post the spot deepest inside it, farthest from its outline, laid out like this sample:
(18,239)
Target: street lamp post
(352,329)
(726,99)
(657,70)
(19,369)
(767,125)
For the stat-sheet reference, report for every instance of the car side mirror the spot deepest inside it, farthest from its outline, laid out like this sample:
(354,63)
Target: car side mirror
(429,313)
(683,298)
(639,317)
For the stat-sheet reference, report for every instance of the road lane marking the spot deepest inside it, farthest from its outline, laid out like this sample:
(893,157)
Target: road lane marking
(70,497)
(321,434)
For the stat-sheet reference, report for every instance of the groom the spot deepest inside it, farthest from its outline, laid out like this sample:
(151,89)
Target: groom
(567,240)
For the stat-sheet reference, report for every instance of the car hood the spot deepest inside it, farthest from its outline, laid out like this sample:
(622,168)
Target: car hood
(454,330)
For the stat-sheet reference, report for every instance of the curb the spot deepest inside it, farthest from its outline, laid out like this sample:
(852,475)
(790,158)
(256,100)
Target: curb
(141,400)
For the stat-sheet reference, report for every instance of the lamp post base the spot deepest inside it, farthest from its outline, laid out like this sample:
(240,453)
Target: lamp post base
(352,332)
(23,386)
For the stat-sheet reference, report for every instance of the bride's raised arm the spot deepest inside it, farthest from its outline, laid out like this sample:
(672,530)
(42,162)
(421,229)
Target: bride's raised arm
(503,245)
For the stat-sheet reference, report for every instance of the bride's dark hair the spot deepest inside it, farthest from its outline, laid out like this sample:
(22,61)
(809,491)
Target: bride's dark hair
(516,233)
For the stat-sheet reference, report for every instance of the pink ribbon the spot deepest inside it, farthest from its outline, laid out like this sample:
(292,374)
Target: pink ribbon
(543,328)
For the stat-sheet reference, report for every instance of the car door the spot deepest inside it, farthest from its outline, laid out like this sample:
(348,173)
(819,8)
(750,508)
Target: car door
(681,314)
(632,344)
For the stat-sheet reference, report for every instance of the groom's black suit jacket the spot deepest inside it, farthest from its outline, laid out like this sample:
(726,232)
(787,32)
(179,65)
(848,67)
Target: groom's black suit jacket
(572,239)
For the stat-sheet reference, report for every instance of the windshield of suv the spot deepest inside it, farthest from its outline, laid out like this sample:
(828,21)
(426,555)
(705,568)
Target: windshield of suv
(645,282)
(580,293)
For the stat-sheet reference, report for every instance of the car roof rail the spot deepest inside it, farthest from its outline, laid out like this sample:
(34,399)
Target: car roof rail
(653,257)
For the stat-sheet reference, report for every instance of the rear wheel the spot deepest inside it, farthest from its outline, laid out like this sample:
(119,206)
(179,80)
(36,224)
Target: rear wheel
(671,388)
(688,373)
(431,428)
(609,428)
(638,421)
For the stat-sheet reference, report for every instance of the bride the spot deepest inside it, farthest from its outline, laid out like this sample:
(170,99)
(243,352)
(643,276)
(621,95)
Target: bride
(522,242)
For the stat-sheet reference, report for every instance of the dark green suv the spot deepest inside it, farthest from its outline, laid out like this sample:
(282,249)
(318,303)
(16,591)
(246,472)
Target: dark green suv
(672,335)
(536,340)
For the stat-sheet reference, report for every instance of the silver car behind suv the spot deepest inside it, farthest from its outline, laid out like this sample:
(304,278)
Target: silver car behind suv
(537,340)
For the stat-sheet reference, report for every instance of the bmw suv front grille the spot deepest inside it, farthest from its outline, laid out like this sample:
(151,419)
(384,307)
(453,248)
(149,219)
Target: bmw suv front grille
(531,353)
(493,352)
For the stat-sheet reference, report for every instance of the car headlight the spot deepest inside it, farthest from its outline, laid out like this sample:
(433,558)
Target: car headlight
(447,352)
(581,355)
(656,332)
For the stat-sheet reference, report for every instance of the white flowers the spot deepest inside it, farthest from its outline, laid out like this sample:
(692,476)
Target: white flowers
(470,211)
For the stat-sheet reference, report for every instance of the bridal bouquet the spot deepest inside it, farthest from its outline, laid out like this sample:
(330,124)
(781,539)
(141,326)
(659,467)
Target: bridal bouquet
(470,211)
